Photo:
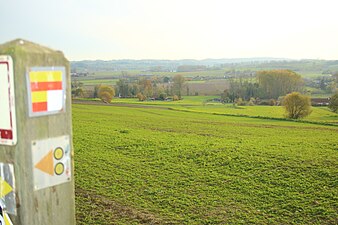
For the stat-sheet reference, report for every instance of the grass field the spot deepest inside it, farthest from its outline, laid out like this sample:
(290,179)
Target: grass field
(99,81)
(141,165)
(319,114)
(201,104)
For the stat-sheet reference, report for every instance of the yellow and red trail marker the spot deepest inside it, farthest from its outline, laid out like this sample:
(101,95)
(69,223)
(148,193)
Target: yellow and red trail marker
(46,90)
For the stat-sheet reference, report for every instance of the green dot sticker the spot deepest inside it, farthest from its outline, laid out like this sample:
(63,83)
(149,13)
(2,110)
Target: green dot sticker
(58,153)
(59,168)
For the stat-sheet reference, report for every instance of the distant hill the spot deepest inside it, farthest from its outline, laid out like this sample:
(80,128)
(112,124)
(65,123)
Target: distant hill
(164,65)
(302,66)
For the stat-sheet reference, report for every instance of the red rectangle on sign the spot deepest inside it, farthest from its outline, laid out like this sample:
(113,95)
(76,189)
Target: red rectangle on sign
(46,86)
(6,134)
(39,106)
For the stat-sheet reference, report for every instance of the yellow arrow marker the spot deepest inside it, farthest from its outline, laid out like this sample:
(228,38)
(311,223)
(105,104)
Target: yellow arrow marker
(7,219)
(5,188)
(46,164)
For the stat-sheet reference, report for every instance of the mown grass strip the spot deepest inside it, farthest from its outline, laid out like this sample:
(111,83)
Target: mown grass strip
(257,117)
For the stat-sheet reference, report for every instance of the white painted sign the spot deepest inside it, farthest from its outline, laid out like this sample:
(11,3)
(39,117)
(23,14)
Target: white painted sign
(51,162)
(7,102)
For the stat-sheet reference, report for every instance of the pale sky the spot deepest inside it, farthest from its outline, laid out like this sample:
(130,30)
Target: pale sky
(175,29)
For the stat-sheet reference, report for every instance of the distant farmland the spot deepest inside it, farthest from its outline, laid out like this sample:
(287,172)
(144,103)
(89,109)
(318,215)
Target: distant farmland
(141,165)
(208,87)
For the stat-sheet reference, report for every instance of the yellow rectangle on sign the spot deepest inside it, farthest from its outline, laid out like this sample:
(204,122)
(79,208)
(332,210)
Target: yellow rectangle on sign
(45,76)
(39,96)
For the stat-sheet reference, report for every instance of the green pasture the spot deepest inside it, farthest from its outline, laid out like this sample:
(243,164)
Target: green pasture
(317,93)
(187,100)
(319,114)
(142,165)
(98,82)
(313,74)
(203,104)
(196,82)
(117,73)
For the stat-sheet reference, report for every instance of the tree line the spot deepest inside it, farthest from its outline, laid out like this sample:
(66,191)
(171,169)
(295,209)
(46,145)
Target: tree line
(274,84)
(154,87)
(143,88)
(267,84)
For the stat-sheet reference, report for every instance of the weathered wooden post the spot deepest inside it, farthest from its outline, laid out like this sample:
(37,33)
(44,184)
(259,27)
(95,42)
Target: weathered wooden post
(36,153)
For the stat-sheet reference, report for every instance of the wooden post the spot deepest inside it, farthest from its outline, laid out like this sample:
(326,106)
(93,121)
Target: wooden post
(42,157)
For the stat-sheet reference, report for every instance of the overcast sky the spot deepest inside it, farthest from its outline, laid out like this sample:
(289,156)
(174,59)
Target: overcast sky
(175,29)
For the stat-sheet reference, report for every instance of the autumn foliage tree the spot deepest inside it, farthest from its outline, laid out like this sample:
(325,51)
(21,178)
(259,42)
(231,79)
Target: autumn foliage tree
(146,87)
(141,97)
(297,105)
(275,83)
(106,93)
(178,84)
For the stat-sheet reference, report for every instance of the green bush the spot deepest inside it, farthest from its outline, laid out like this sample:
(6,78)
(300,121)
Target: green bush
(240,102)
(141,97)
(297,105)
